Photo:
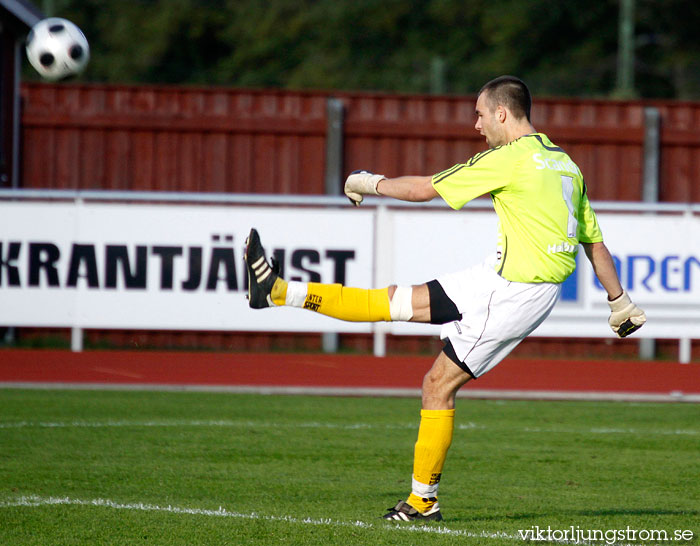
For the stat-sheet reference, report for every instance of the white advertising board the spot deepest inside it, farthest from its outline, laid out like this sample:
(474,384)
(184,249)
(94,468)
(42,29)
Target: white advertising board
(168,267)
(657,256)
(146,266)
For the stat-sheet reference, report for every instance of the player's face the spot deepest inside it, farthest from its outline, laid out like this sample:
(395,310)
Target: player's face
(488,124)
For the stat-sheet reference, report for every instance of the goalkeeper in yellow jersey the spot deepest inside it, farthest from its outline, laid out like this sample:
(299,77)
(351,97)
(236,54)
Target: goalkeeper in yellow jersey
(544,214)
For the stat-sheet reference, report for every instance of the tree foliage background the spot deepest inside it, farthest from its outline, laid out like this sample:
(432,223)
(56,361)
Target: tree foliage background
(566,48)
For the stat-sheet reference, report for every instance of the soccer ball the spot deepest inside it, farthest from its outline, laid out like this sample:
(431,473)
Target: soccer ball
(57,49)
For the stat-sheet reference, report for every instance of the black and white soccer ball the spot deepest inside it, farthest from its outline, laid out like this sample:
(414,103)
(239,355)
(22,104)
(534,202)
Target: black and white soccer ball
(57,49)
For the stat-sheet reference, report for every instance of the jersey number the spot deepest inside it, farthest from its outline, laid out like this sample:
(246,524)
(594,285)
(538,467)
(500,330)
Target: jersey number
(567,189)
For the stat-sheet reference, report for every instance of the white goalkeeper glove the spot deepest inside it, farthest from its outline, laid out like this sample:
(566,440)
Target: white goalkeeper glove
(361,183)
(625,316)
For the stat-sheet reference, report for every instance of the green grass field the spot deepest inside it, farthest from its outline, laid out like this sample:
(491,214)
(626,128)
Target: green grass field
(114,467)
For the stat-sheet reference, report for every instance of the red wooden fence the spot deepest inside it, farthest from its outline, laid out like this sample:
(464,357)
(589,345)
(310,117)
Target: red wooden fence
(235,140)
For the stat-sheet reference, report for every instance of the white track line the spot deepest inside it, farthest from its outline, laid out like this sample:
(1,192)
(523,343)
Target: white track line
(33,501)
(338,426)
(200,423)
(500,394)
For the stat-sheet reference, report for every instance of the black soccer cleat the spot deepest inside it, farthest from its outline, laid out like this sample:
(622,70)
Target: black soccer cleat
(405,512)
(261,276)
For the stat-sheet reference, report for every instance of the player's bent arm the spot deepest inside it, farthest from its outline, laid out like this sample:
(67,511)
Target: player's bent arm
(625,316)
(408,188)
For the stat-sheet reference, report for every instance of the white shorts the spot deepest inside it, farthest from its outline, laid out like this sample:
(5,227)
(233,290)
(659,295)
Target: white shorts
(497,314)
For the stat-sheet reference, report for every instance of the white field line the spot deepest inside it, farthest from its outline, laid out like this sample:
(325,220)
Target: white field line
(202,423)
(490,394)
(338,426)
(35,501)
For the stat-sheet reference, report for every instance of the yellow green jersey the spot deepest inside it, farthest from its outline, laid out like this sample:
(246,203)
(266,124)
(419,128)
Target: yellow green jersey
(540,198)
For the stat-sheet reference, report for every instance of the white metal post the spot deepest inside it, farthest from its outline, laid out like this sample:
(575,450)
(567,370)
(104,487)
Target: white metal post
(335,128)
(684,350)
(650,191)
(383,267)
(76,340)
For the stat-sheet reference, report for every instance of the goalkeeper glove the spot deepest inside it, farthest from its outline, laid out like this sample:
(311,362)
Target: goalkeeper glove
(625,316)
(361,183)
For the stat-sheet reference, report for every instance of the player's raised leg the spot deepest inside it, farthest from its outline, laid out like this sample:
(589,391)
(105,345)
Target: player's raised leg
(267,289)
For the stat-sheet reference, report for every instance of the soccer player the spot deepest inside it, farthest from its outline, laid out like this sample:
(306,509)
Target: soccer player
(540,198)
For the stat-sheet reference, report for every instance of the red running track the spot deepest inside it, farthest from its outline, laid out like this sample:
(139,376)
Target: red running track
(528,377)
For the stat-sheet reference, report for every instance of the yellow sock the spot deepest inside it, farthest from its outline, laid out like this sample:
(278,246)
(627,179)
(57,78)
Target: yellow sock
(434,439)
(345,303)
(279,291)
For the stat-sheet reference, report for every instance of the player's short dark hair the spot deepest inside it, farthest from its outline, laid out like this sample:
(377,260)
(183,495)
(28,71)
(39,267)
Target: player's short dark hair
(510,92)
